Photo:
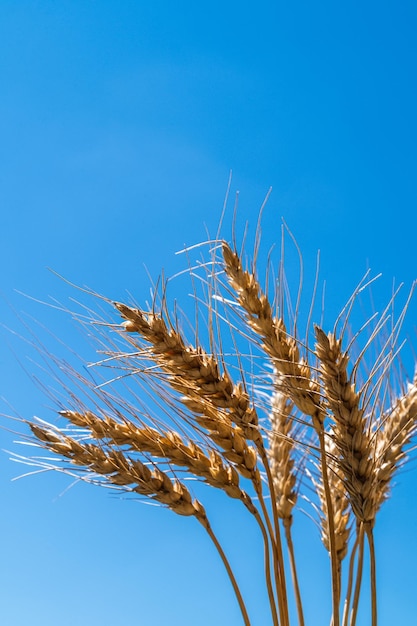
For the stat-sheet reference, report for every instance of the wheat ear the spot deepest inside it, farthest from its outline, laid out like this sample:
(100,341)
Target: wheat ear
(280,452)
(351,435)
(296,374)
(340,506)
(166,445)
(392,437)
(118,469)
(192,371)
(221,407)
(398,427)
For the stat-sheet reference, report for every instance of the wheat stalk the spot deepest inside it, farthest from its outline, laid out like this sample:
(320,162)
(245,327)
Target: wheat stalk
(295,371)
(234,439)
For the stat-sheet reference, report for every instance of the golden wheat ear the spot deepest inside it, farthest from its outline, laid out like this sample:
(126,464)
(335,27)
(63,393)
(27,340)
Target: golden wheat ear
(341,510)
(397,428)
(296,375)
(163,445)
(219,406)
(206,423)
(280,454)
(116,468)
(351,434)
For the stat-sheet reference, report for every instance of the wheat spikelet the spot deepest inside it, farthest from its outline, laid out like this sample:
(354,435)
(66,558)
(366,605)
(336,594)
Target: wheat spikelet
(350,431)
(296,374)
(167,445)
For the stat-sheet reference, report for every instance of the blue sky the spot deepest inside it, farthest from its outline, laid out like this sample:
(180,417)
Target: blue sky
(120,123)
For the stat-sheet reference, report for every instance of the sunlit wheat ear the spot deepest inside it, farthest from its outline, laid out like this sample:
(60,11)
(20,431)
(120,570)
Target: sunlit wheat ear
(340,503)
(118,469)
(391,440)
(191,371)
(351,434)
(168,446)
(220,407)
(283,350)
(280,453)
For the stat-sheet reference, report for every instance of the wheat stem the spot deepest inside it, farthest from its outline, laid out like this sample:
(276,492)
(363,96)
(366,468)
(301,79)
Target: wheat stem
(276,541)
(268,576)
(359,571)
(288,535)
(370,537)
(349,588)
(332,537)
(229,570)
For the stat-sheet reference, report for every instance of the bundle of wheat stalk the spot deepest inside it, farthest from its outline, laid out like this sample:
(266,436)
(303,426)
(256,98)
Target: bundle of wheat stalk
(314,421)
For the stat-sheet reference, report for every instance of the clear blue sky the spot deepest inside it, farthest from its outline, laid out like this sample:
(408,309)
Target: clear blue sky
(119,124)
